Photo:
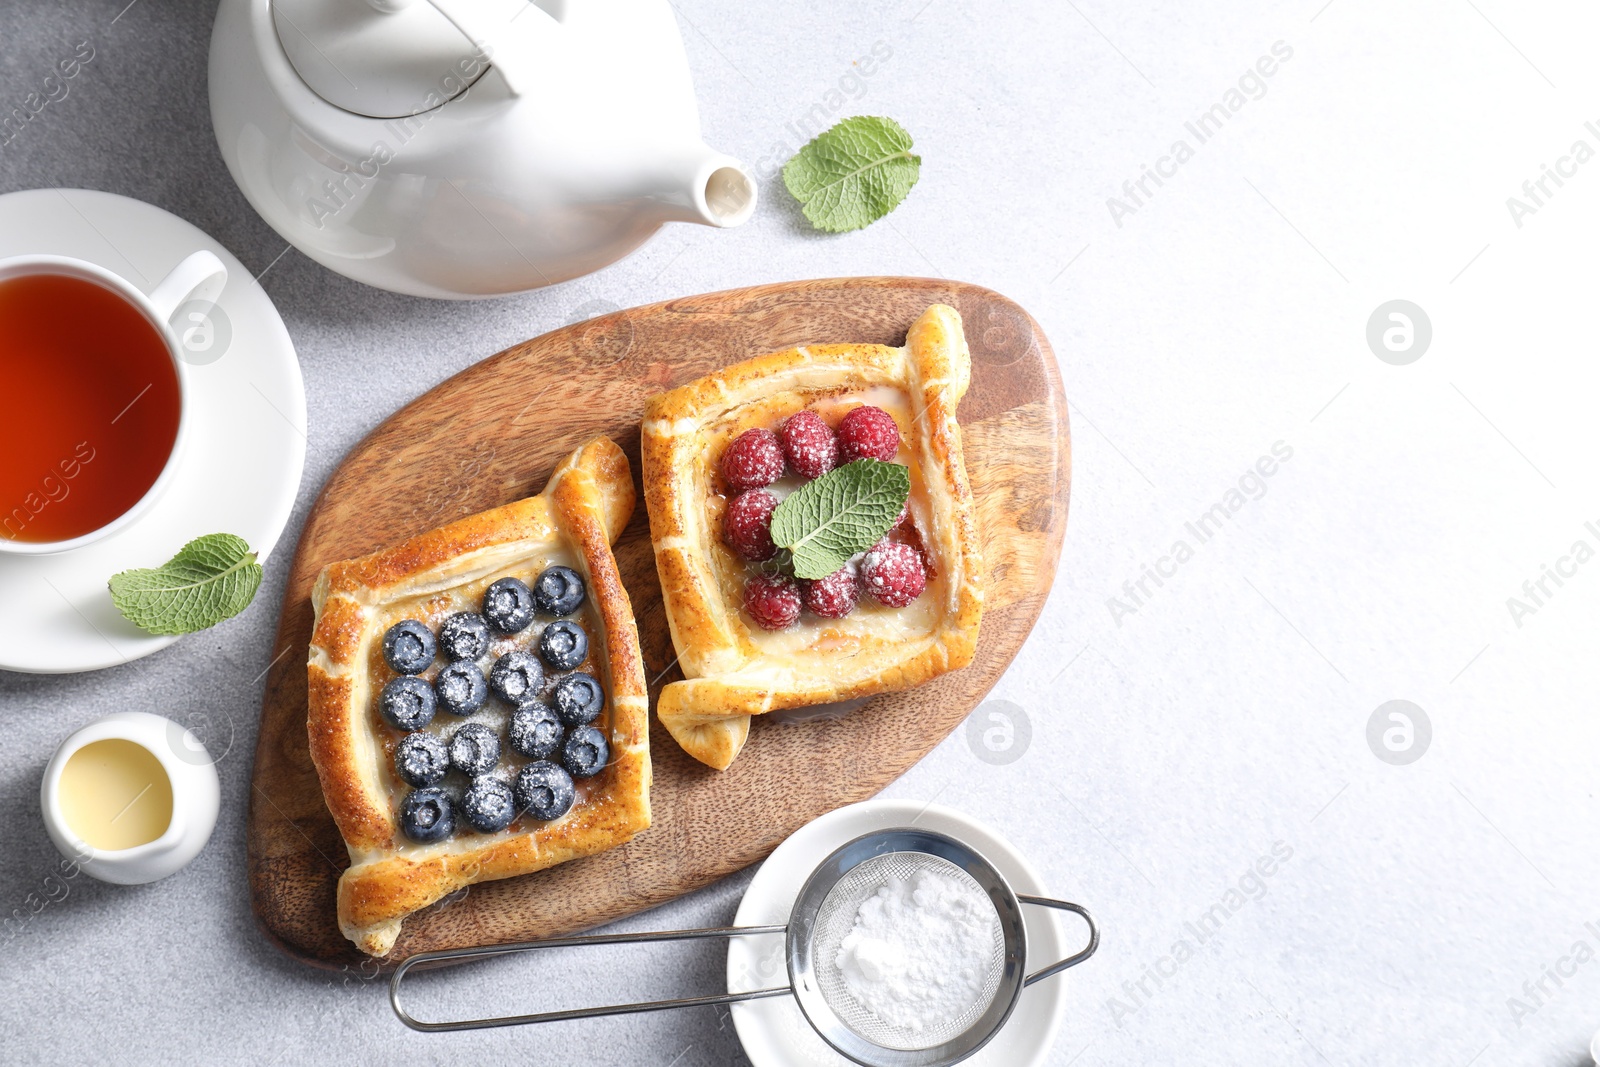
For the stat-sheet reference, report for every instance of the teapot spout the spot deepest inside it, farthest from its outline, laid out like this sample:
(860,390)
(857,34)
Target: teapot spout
(709,188)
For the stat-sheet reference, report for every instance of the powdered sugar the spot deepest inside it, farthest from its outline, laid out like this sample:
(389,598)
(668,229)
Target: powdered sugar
(920,951)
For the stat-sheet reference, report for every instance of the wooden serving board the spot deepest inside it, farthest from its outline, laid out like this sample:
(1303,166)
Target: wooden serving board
(494,432)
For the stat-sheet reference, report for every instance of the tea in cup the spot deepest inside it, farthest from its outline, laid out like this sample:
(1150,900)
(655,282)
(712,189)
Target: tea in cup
(92,417)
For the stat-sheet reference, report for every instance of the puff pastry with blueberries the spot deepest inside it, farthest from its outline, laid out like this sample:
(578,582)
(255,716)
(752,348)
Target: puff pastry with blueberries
(720,454)
(477,700)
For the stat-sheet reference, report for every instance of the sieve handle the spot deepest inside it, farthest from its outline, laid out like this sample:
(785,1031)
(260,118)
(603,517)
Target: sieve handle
(459,954)
(1070,961)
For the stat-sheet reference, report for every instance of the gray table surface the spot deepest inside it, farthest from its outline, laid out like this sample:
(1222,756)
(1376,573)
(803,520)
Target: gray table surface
(1431,912)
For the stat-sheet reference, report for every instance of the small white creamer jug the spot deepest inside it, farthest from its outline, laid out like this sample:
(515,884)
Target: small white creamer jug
(130,798)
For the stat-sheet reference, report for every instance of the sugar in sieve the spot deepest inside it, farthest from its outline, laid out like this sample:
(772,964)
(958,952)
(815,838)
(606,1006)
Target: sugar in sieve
(822,915)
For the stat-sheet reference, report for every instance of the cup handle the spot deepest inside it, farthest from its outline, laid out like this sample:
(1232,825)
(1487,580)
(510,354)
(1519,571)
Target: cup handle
(200,276)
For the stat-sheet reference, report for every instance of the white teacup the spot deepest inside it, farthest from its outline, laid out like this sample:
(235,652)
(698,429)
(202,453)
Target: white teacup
(200,276)
(188,772)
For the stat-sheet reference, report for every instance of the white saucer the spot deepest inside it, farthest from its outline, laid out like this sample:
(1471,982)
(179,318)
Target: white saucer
(239,471)
(775,1032)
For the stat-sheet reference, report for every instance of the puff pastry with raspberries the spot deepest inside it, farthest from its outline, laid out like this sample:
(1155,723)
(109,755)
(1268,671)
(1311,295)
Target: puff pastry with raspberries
(720,453)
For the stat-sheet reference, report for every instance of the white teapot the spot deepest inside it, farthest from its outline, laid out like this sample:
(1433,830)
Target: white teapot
(465,148)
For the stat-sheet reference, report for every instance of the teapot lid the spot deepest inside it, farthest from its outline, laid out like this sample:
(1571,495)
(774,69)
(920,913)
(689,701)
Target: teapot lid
(380,58)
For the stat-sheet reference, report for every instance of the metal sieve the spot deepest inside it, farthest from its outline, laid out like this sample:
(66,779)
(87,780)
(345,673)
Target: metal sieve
(834,1003)
(823,914)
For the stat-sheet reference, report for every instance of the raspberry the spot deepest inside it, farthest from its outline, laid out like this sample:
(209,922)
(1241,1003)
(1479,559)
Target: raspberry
(868,433)
(772,600)
(812,447)
(893,573)
(900,519)
(832,597)
(752,461)
(747,525)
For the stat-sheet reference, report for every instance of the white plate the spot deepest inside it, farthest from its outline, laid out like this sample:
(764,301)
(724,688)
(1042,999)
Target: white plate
(775,1032)
(239,471)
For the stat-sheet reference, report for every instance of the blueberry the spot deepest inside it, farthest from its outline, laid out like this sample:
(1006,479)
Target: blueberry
(421,759)
(558,591)
(489,805)
(516,678)
(408,647)
(578,699)
(544,791)
(585,752)
(563,645)
(535,731)
(464,635)
(474,749)
(460,687)
(508,605)
(407,703)
(426,815)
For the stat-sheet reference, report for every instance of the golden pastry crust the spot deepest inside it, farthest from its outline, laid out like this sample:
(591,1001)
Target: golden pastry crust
(580,513)
(732,670)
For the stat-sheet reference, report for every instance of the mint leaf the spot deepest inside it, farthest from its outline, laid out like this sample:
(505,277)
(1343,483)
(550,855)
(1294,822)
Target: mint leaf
(853,174)
(847,510)
(210,579)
